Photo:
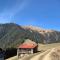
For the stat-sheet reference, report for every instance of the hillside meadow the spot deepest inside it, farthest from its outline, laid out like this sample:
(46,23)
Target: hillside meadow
(44,50)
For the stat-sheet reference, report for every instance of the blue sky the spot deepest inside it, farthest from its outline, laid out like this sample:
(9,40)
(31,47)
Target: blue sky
(41,13)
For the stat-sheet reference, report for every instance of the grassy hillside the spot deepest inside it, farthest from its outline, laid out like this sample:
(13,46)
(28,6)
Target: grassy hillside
(11,35)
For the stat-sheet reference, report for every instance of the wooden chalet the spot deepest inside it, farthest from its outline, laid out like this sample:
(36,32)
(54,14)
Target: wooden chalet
(28,47)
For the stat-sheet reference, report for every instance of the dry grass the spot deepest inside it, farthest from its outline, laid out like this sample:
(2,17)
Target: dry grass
(13,58)
(53,54)
(45,47)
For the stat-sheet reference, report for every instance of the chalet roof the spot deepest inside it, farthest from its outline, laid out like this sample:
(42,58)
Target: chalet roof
(28,44)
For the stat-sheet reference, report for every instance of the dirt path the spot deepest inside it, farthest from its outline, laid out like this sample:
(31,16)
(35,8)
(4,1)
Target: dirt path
(54,54)
(40,56)
(46,57)
(51,54)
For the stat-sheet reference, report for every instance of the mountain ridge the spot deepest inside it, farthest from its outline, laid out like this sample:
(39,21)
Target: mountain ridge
(11,35)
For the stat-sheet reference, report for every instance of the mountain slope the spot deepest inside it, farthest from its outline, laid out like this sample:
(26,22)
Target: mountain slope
(11,35)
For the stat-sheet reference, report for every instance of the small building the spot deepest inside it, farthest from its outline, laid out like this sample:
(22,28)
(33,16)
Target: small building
(1,54)
(28,47)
